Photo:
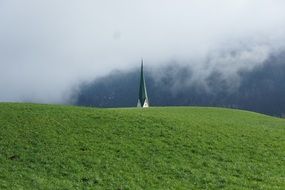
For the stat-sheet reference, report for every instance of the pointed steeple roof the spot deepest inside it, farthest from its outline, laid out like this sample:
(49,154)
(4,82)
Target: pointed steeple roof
(143,98)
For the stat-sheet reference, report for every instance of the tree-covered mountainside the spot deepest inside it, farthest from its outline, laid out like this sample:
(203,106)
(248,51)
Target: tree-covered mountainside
(261,89)
(66,147)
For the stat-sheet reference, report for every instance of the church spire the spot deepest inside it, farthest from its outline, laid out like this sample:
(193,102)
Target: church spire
(143,98)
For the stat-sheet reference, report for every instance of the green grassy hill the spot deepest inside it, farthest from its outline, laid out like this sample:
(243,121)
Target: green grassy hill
(65,147)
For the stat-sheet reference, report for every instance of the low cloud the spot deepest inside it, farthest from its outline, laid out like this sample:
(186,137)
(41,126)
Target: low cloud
(48,47)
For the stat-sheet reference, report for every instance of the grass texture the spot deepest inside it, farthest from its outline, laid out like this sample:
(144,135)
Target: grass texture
(67,147)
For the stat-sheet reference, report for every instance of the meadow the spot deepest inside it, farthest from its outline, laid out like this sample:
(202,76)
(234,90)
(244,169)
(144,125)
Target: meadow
(68,147)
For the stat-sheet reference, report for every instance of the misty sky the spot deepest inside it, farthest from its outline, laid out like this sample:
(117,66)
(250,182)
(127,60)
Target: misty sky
(48,47)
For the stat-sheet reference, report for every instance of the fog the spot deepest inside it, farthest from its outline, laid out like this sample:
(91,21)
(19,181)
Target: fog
(49,47)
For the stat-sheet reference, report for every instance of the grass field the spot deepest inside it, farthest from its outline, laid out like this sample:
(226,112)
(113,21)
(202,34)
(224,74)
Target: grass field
(65,147)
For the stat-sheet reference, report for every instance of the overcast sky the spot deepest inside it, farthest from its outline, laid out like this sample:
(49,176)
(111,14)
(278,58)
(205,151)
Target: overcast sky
(47,47)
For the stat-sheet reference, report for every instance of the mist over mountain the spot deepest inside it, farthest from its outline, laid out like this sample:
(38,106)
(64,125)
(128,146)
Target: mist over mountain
(260,89)
(48,47)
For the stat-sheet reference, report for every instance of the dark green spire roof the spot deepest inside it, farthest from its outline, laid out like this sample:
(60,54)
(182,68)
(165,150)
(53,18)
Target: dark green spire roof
(142,90)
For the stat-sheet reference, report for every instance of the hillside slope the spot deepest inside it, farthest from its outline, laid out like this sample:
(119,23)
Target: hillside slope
(65,147)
